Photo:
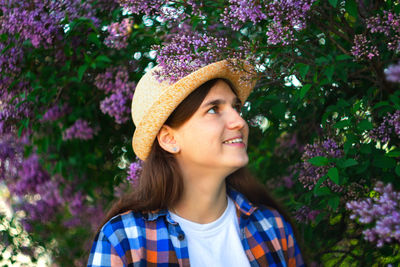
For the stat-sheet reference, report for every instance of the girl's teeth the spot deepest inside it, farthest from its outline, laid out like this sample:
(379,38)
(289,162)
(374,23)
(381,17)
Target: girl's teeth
(238,140)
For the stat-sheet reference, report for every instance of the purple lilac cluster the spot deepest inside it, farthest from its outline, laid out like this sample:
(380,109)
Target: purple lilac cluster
(148,7)
(79,130)
(383,211)
(310,174)
(11,151)
(55,112)
(115,83)
(363,48)
(119,34)
(10,58)
(31,175)
(10,111)
(52,201)
(187,53)
(39,21)
(43,209)
(306,215)
(134,171)
(389,127)
(284,17)
(389,25)
(393,73)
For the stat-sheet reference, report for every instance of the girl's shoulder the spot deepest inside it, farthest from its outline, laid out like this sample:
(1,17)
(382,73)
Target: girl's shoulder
(123,225)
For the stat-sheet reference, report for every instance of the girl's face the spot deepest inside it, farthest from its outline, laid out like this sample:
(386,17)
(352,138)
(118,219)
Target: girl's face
(215,137)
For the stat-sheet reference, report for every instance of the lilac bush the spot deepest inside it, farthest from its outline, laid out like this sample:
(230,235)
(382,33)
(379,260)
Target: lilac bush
(327,70)
(309,174)
(389,128)
(115,83)
(383,211)
(79,130)
(119,34)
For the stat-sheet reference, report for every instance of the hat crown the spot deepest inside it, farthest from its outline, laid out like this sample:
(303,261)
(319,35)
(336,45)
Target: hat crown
(147,91)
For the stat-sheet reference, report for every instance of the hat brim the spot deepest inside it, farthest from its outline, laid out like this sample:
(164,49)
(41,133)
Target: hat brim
(162,107)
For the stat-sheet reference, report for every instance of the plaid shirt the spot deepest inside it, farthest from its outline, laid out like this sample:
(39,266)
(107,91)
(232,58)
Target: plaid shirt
(137,239)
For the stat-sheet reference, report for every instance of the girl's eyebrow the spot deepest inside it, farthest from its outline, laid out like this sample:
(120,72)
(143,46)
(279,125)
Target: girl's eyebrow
(217,102)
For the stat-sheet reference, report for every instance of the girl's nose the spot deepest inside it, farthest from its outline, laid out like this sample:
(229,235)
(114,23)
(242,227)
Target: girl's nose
(235,121)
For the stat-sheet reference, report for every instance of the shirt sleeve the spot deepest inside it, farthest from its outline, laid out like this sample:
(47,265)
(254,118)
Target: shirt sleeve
(103,254)
(292,250)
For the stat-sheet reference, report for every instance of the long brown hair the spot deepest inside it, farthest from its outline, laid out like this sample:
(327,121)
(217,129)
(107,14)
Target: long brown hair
(160,183)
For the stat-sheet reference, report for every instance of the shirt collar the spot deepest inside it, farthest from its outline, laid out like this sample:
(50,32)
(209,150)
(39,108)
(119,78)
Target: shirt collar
(241,203)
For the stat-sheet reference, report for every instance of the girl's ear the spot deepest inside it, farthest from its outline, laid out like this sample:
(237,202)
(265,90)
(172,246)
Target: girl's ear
(167,140)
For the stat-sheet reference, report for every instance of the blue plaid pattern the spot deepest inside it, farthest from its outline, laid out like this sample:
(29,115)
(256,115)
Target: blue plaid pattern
(137,239)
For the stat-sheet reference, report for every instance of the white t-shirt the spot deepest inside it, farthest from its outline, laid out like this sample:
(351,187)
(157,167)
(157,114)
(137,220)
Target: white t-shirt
(216,243)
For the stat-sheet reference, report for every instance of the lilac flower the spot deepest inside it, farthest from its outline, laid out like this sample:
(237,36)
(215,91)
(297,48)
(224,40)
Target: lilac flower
(284,17)
(393,73)
(119,34)
(389,128)
(382,211)
(389,25)
(306,215)
(11,153)
(31,176)
(363,49)
(148,7)
(11,58)
(9,111)
(187,53)
(134,171)
(310,174)
(40,21)
(55,112)
(79,130)
(115,83)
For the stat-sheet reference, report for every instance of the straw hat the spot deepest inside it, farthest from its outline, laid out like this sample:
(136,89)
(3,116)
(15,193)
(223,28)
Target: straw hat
(153,101)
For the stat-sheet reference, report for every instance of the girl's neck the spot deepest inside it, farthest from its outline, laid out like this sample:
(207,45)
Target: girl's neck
(203,201)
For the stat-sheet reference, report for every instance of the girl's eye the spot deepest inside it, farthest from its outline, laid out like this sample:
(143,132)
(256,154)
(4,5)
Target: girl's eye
(212,110)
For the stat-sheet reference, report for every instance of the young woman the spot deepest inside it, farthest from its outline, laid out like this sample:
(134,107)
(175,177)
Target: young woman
(195,203)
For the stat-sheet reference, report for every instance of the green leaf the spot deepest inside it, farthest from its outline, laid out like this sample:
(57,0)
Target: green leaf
(397,170)
(351,8)
(365,149)
(319,161)
(103,58)
(342,124)
(333,173)
(303,69)
(384,162)
(333,2)
(92,37)
(343,57)
(365,125)
(349,163)
(304,90)
(381,104)
(279,110)
(319,182)
(81,71)
(333,202)
(393,154)
(322,191)
(321,60)
(329,72)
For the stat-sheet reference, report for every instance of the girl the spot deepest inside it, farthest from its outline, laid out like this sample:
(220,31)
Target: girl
(195,202)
